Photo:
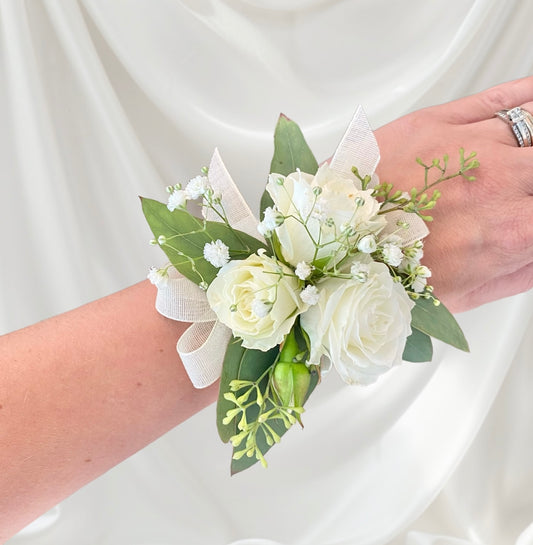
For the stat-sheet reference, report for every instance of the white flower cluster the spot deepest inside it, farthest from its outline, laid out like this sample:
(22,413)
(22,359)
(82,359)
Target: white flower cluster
(417,274)
(194,189)
(158,277)
(331,268)
(271,219)
(216,253)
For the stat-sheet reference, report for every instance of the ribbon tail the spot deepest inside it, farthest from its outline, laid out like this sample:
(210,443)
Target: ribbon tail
(237,210)
(358,147)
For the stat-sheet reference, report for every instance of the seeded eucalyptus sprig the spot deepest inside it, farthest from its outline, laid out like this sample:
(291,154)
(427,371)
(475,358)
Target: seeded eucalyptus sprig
(418,201)
(265,407)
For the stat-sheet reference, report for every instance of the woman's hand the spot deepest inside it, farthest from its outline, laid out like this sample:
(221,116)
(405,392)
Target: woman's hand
(481,243)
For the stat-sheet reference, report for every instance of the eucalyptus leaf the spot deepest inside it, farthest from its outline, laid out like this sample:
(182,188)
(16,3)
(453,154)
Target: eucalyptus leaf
(438,322)
(418,347)
(266,202)
(291,151)
(186,236)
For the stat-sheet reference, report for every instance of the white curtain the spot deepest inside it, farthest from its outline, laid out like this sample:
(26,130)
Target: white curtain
(105,100)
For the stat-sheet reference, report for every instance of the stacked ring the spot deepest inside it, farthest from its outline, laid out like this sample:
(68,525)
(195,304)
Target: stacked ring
(521,123)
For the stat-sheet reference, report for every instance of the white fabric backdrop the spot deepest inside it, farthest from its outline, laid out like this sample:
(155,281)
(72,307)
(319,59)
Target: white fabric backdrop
(103,100)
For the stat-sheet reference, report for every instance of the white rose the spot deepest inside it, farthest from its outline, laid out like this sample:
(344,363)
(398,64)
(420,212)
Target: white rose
(361,327)
(257,298)
(329,205)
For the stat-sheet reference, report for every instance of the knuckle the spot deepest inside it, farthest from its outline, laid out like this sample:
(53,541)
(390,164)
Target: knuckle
(496,99)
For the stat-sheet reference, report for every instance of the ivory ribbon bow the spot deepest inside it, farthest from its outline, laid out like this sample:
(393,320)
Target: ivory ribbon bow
(202,346)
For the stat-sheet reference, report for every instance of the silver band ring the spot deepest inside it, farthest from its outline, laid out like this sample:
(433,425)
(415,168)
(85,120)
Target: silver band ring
(524,131)
(521,123)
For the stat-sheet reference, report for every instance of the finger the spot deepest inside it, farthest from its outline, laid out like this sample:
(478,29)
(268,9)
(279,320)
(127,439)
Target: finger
(485,104)
(521,172)
(497,130)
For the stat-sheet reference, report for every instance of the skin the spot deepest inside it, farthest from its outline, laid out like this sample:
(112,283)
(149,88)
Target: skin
(481,243)
(77,398)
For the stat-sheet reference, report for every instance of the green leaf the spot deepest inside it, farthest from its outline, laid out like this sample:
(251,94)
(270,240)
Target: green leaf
(418,347)
(438,322)
(187,235)
(239,363)
(291,150)
(266,201)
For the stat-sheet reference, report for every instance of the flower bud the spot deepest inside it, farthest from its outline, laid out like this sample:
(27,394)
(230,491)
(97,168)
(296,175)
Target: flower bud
(348,230)
(292,381)
(367,244)
(423,271)
(291,377)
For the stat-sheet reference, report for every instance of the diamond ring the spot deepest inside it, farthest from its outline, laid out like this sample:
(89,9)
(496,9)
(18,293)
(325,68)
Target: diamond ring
(521,123)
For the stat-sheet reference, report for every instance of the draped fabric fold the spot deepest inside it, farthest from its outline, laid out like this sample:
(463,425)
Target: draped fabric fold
(102,101)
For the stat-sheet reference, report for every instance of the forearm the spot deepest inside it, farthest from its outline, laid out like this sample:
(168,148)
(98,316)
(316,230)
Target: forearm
(83,391)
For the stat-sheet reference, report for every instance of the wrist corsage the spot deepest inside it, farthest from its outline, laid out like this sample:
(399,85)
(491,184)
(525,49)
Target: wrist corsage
(330,277)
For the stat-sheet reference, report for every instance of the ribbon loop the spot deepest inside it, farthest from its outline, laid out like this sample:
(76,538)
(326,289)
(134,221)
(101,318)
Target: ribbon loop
(200,349)
(182,300)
